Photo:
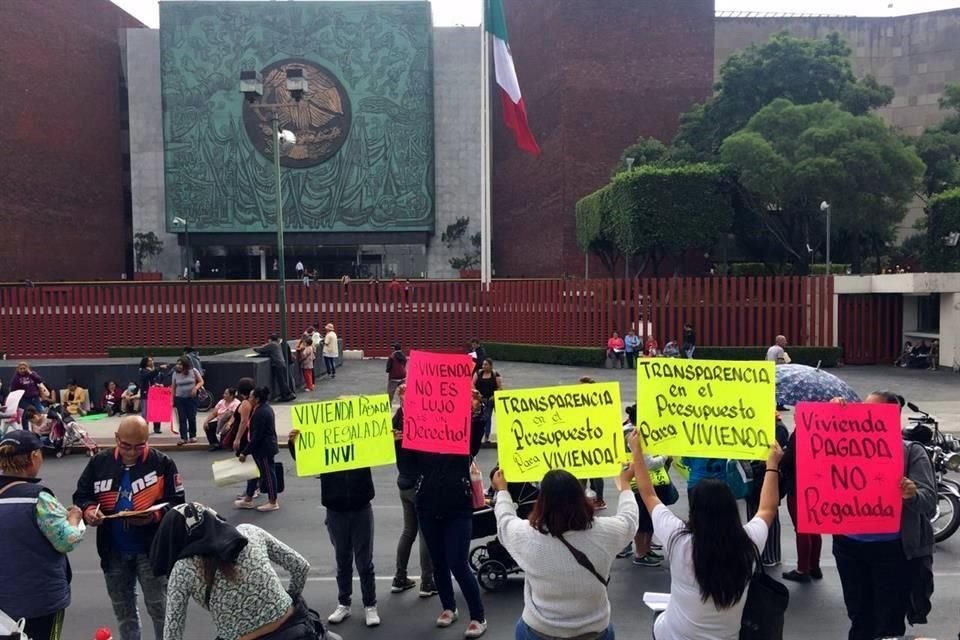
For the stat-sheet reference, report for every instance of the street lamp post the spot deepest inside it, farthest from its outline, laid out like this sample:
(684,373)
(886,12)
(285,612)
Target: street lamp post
(186,239)
(251,85)
(825,207)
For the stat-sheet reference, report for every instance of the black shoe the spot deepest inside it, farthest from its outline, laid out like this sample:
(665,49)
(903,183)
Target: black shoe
(626,552)
(214,447)
(816,574)
(401,584)
(796,576)
(428,590)
(157,431)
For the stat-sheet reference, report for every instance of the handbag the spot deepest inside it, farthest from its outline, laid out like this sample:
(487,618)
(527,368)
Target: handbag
(278,472)
(232,471)
(477,497)
(667,493)
(763,612)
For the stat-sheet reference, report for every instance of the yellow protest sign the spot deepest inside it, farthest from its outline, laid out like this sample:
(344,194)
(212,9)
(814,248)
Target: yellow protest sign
(342,434)
(576,427)
(659,477)
(706,408)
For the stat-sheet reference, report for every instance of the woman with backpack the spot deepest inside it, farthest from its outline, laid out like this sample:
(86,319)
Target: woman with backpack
(396,371)
(566,552)
(712,555)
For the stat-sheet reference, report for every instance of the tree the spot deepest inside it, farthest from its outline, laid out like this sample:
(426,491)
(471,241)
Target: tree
(453,238)
(943,232)
(802,71)
(595,229)
(939,147)
(146,246)
(789,158)
(643,151)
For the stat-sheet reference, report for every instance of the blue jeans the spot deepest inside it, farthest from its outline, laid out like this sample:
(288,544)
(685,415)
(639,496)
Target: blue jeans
(448,539)
(331,364)
(121,575)
(186,416)
(524,632)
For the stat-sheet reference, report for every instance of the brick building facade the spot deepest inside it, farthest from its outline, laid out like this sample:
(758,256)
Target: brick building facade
(62,202)
(595,76)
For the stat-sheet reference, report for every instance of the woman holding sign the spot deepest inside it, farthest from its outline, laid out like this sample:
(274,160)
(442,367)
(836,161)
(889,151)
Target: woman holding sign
(445,509)
(262,447)
(880,573)
(712,555)
(566,553)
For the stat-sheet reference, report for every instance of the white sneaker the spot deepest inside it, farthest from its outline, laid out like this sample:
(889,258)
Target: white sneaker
(475,629)
(447,618)
(341,613)
(371,616)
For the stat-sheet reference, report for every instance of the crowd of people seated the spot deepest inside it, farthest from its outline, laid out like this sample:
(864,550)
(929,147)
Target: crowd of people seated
(923,355)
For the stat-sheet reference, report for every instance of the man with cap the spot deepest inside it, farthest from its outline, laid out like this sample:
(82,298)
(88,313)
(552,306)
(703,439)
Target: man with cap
(279,374)
(37,533)
(130,478)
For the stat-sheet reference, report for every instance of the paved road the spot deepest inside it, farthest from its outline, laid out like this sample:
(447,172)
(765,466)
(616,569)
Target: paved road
(934,391)
(816,611)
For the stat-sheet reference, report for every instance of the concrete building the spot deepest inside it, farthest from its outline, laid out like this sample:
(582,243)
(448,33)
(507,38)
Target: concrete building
(64,183)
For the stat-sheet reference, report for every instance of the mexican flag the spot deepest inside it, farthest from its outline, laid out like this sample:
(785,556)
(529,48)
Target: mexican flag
(514,110)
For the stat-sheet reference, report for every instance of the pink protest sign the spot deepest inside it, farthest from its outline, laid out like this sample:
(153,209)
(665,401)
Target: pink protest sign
(849,466)
(160,405)
(436,407)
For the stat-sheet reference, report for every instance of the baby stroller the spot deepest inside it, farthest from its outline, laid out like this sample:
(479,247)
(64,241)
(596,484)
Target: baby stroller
(65,433)
(491,561)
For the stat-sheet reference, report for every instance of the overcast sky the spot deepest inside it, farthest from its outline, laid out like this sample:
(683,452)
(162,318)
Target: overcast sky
(467,12)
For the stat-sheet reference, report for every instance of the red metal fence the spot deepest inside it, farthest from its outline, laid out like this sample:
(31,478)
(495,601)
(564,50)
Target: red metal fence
(82,320)
(870,328)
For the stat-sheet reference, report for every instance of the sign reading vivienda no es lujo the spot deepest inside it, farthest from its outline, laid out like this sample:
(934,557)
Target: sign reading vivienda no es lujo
(342,434)
(576,428)
(849,464)
(437,404)
(706,408)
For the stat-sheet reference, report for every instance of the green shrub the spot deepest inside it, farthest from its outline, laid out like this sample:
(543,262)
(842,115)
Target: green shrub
(165,352)
(596,356)
(943,218)
(547,354)
(835,269)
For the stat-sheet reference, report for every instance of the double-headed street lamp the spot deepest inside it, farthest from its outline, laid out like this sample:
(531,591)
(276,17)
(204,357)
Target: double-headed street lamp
(251,86)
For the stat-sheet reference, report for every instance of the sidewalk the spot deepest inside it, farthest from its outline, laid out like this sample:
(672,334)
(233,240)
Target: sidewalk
(934,391)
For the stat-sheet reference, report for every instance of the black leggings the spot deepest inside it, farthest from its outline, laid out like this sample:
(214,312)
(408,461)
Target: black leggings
(48,627)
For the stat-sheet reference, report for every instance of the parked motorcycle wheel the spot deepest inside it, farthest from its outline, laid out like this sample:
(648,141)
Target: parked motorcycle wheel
(946,521)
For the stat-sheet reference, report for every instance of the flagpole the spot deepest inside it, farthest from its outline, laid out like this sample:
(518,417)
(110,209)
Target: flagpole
(486,266)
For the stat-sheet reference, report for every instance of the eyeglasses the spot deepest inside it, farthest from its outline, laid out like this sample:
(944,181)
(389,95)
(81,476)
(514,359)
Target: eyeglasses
(126,446)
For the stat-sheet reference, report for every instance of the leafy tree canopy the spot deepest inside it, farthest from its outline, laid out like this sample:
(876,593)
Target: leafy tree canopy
(800,70)
(791,157)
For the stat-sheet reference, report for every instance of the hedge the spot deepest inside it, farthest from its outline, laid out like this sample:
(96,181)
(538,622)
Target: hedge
(165,352)
(596,356)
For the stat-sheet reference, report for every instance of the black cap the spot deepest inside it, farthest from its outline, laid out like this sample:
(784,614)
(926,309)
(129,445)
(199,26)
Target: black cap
(23,441)
(274,336)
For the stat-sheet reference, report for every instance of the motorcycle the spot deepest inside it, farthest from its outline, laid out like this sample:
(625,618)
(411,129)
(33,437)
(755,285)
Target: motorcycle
(944,453)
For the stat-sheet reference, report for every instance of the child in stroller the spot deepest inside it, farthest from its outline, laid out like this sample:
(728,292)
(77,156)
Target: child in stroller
(59,432)
(491,561)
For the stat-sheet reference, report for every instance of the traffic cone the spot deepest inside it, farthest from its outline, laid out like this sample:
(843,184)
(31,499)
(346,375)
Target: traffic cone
(103,634)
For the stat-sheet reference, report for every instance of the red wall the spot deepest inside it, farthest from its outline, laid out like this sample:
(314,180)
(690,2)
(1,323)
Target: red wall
(595,76)
(61,173)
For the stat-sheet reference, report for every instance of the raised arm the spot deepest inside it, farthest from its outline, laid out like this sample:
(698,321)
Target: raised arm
(770,493)
(644,485)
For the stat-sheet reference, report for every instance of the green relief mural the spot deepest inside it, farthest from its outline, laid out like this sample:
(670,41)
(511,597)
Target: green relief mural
(364,154)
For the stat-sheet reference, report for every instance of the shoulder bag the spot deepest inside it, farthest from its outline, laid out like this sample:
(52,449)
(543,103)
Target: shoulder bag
(763,613)
(584,561)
